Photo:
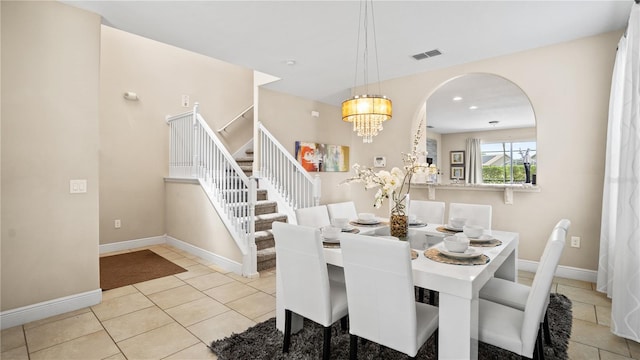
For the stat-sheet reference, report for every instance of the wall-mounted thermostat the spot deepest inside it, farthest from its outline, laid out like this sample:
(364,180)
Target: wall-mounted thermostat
(379,161)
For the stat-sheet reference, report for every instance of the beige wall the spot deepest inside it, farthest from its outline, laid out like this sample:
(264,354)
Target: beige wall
(289,119)
(568,85)
(50,63)
(134,134)
(192,218)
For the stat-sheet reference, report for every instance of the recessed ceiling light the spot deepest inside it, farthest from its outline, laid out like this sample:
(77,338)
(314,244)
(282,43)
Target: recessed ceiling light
(290,62)
(457,98)
(472,107)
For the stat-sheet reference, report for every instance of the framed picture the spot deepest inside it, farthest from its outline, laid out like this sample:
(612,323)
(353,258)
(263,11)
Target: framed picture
(457,173)
(457,157)
(322,157)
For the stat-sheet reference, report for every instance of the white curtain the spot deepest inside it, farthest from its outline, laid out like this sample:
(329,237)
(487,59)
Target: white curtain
(619,265)
(474,169)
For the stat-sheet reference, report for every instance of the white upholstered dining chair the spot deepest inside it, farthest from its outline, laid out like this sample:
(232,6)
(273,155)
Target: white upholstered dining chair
(515,295)
(431,212)
(345,210)
(380,294)
(317,217)
(306,287)
(517,330)
(475,214)
(314,216)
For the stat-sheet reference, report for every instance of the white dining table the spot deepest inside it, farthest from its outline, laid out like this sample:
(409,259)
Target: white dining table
(458,286)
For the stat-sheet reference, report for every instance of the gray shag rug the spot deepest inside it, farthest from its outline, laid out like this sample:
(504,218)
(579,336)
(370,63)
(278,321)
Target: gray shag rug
(264,341)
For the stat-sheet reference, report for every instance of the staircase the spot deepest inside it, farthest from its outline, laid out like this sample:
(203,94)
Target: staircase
(266,212)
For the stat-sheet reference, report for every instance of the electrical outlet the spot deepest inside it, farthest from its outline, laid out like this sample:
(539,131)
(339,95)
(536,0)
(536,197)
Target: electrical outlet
(117,224)
(185,100)
(575,241)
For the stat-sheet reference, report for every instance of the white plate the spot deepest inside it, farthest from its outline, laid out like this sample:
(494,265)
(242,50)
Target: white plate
(482,238)
(348,228)
(467,254)
(367,222)
(416,223)
(452,228)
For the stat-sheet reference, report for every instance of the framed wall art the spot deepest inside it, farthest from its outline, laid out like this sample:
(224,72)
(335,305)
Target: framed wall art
(457,173)
(457,157)
(316,157)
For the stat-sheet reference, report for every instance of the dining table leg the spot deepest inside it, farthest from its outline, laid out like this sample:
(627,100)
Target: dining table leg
(509,268)
(458,327)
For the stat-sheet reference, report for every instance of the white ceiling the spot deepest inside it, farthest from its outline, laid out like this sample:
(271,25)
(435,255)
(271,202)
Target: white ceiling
(321,36)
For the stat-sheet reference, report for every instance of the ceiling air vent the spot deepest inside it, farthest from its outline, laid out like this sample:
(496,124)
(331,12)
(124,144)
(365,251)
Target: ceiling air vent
(427,54)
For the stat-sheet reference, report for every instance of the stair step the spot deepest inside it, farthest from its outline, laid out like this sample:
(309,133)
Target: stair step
(264,221)
(266,258)
(261,194)
(244,160)
(264,239)
(262,207)
(249,152)
(266,207)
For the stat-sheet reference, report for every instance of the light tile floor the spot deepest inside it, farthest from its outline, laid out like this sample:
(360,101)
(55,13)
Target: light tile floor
(176,316)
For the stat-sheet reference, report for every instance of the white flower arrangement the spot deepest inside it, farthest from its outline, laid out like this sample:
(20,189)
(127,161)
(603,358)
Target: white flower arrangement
(394,184)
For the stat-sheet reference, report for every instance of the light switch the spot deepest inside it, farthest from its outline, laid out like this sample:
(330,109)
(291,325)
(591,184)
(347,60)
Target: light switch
(77,186)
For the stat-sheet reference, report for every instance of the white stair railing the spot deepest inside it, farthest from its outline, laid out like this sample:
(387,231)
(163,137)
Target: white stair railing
(197,153)
(294,184)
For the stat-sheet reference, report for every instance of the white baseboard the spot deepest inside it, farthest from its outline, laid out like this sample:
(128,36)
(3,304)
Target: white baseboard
(43,310)
(221,261)
(567,272)
(132,244)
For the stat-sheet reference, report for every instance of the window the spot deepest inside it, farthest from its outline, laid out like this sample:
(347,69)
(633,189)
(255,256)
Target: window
(502,162)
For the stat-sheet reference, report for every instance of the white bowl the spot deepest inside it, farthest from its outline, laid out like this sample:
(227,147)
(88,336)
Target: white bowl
(366,216)
(457,223)
(473,231)
(342,223)
(456,243)
(331,232)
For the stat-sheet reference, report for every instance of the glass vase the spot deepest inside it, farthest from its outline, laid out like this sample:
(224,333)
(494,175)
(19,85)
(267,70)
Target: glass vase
(398,216)
(399,225)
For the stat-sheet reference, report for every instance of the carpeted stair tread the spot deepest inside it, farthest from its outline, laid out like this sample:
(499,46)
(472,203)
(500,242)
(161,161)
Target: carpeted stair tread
(266,206)
(244,160)
(264,239)
(264,221)
(270,217)
(266,258)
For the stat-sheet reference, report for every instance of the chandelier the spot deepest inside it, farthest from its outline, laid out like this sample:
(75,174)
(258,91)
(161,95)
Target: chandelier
(366,112)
